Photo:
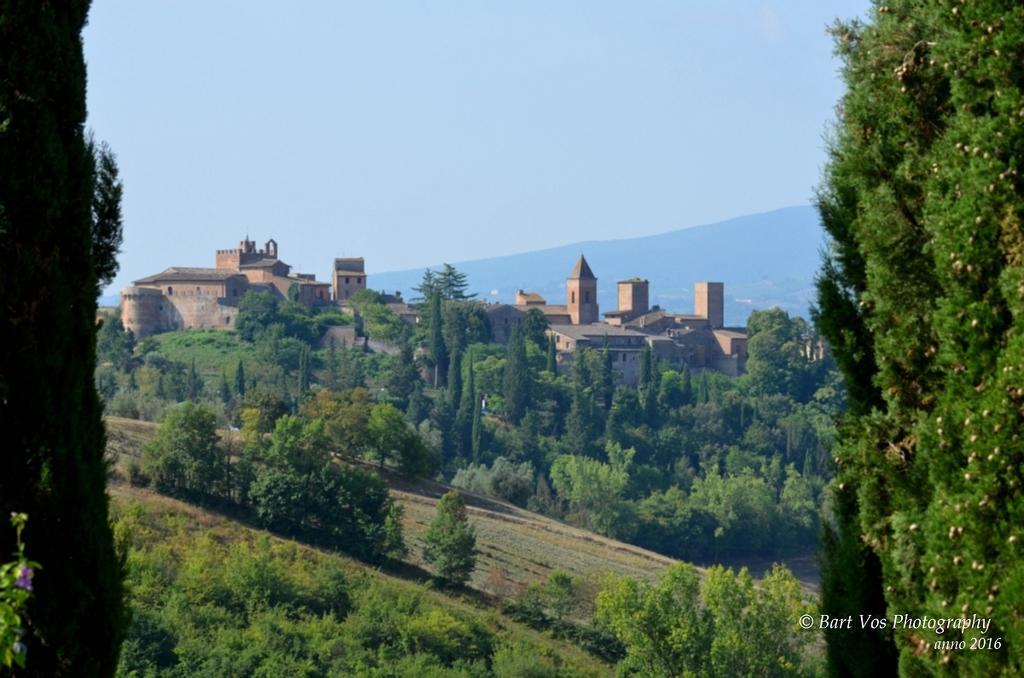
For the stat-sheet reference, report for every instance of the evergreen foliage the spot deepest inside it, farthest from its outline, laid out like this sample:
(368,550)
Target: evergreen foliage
(450,541)
(59,231)
(920,298)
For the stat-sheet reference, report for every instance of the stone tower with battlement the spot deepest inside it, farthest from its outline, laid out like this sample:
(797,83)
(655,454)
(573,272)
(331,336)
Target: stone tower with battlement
(581,294)
(709,302)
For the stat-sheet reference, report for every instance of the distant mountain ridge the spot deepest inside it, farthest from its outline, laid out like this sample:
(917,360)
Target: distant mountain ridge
(765,260)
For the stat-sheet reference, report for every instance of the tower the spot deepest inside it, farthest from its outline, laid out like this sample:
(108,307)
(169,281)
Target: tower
(349,277)
(633,297)
(709,302)
(581,294)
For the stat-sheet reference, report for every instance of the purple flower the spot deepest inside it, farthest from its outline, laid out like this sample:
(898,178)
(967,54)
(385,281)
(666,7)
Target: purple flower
(24,580)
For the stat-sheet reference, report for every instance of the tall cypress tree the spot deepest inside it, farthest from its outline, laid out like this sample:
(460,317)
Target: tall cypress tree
(55,254)
(552,359)
(464,417)
(240,380)
(921,300)
(305,370)
(517,376)
(438,352)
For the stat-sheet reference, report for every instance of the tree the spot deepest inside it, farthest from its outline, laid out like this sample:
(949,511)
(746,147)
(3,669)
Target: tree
(225,390)
(107,223)
(924,316)
(517,376)
(438,351)
(390,437)
(184,458)
(56,255)
(305,370)
(721,626)
(452,284)
(450,541)
(240,380)
(551,359)
(114,343)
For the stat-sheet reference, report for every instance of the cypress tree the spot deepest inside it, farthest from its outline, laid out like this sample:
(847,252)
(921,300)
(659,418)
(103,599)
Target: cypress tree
(920,299)
(476,430)
(552,359)
(606,380)
(464,416)
(646,367)
(517,376)
(455,379)
(304,370)
(194,385)
(55,255)
(240,380)
(687,391)
(225,390)
(579,423)
(438,352)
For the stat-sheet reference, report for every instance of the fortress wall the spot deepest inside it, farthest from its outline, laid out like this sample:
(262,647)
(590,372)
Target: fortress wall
(199,311)
(147,310)
(141,310)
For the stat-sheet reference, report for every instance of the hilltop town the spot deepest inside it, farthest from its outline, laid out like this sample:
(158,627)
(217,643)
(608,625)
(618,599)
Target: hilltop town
(193,298)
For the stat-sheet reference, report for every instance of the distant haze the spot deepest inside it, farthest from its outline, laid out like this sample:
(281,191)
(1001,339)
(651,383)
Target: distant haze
(764,260)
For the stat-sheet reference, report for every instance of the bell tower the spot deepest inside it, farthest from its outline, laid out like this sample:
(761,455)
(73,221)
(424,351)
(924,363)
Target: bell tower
(581,294)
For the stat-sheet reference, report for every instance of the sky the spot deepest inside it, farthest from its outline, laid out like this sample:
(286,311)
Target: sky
(412,133)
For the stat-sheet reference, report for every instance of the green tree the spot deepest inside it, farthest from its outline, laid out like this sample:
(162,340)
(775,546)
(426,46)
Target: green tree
(184,458)
(450,541)
(438,351)
(59,248)
(919,298)
(722,626)
(551,359)
(391,438)
(517,376)
(114,343)
(452,283)
(305,370)
(225,389)
(240,380)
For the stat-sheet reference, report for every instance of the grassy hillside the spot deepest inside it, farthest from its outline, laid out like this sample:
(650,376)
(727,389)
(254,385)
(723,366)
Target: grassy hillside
(210,595)
(516,546)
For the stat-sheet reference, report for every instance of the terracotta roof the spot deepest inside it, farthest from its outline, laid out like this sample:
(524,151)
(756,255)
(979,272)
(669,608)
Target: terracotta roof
(179,273)
(582,271)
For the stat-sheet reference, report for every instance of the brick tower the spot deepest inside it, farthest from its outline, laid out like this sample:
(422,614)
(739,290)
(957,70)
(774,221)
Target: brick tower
(581,294)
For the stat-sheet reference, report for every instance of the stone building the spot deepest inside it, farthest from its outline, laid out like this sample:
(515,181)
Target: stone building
(349,277)
(698,341)
(186,298)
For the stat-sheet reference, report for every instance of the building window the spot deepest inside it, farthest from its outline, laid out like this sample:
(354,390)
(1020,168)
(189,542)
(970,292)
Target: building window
(170,291)
(573,297)
(346,281)
(586,297)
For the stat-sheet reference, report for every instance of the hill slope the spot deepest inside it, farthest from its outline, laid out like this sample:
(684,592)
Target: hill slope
(516,546)
(764,259)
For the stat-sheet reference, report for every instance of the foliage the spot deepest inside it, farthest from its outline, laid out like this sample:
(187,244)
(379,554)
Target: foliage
(450,542)
(184,457)
(15,590)
(379,321)
(506,479)
(59,231)
(215,598)
(721,626)
(920,298)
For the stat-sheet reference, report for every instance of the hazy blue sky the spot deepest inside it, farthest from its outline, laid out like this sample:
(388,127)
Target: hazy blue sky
(416,132)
